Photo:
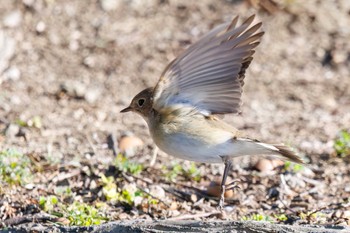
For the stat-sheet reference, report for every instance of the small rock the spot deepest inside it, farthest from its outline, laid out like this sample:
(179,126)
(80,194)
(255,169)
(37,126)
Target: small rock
(277,163)
(13,74)
(29,186)
(12,131)
(123,216)
(7,50)
(346,214)
(267,165)
(110,5)
(173,206)
(214,189)
(138,200)
(92,95)
(131,188)
(28,3)
(13,19)
(40,27)
(194,198)
(93,184)
(63,221)
(157,191)
(74,89)
(264,165)
(129,145)
(338,214)
(89,61)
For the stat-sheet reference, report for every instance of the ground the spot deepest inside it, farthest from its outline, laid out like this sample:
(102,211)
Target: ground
(67,68)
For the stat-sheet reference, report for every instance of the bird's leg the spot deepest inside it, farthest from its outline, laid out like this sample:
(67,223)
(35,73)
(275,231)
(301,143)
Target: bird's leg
(228,165)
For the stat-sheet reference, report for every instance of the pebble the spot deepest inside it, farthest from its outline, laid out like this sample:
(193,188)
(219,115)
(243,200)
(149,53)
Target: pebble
(267,165)
(40,27)
(12,131)
(92,95)
(13,74)
(28,3)
(346,214)
(74,89)
(13,19)
(129,145)
(110,5)
(89,61)
(214,189)
(157,191)
(7,50)
(138,200)
(173,206)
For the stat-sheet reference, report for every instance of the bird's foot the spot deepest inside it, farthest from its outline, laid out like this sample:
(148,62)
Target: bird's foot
(231,186)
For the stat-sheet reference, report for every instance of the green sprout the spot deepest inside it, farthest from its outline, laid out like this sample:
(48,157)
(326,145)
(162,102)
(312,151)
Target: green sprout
(48,203)
(342,144)
(14,167)
(280,217)
(82,214)
(293,167)
(315,215)
(172,174)
(113,194)
(78,214)
(257,217)
(190,172)
(123,164)
(109,188)
(34,122)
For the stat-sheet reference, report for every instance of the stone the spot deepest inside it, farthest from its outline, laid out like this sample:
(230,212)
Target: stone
(13,19)
(130,144)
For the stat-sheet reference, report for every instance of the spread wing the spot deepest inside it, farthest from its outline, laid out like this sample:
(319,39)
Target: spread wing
(209,74)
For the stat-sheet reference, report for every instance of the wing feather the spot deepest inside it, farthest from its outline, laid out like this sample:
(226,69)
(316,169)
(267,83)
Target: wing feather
(209,75)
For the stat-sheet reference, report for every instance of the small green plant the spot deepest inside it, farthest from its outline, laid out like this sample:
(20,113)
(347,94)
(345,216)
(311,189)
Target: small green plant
(78,214)
(280,217)
(342,144)
(171,174)
(257,217)
(81,214)
(192,172)
(34,122)
(315,215)
(113,194)
(293,167)
(48,203)
(14,167)
(123,164)
(109,188)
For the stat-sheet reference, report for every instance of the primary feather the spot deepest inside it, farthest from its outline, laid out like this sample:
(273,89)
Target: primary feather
(209,75)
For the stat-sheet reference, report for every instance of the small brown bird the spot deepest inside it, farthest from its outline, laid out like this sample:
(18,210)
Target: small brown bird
(206,80)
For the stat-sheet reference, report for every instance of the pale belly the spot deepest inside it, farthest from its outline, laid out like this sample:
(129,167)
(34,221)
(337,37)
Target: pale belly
(188,148)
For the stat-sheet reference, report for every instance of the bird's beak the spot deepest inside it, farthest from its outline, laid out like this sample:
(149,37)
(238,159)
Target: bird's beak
(128,109)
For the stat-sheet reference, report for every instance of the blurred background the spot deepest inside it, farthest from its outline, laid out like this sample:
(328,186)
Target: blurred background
(68,67)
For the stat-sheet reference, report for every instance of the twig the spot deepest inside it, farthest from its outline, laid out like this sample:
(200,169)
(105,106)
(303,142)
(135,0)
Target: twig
(154,156)
(111,143)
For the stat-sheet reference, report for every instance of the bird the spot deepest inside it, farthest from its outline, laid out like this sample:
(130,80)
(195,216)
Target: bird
(206,81)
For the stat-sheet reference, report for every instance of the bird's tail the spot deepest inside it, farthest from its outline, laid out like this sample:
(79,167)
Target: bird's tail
(280,150)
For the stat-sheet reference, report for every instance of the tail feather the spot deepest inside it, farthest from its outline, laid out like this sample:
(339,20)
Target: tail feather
(288,153)
(254,147)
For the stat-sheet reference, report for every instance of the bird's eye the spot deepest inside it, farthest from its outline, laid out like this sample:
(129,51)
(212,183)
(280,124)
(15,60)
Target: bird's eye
(140,102)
